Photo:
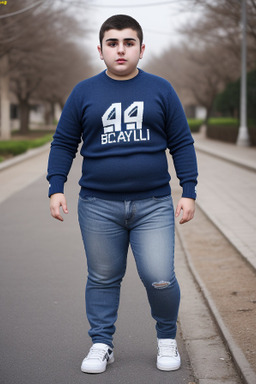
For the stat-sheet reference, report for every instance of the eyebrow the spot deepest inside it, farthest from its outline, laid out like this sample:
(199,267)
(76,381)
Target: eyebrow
(126,39)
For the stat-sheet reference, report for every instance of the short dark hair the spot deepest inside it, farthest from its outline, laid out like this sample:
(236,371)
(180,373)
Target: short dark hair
(121,22)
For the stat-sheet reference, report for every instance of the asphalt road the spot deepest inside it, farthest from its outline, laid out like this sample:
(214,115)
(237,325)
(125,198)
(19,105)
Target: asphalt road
(42,318)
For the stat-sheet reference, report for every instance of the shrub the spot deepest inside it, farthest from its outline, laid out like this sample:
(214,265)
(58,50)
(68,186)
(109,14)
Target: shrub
(223,121)
(12,147)
(17,147)
(228,101)
(194,124)
(40,141)
(226,129)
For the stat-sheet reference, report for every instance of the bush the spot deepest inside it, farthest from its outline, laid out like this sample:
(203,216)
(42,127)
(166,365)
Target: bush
(12,148)
(195,124)
(40,141)
(17,147)
(228,101)
(226,129)
(223,121)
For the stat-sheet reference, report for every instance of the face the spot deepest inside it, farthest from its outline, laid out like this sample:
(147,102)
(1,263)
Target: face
(121,52)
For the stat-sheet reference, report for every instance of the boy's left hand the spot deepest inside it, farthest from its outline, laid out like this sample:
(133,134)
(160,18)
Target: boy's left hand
(188,207)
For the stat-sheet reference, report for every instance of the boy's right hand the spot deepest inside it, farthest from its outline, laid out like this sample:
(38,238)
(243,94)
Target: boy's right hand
(58,200)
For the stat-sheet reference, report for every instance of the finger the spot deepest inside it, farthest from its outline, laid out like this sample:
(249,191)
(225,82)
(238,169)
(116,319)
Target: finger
(55,212)
(187,216)
(64,207)
(184,217)
(178,209)
(59,217)
(183,220)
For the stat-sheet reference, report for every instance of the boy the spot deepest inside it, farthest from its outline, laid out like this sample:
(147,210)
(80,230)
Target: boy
(126,118)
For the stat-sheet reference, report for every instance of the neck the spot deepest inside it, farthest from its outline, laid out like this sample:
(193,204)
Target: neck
(124,77)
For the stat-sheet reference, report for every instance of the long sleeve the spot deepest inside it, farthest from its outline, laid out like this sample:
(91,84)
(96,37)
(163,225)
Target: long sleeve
(64,145)
(181,147)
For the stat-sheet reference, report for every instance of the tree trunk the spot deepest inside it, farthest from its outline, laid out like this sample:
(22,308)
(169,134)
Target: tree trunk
(209,109)
(61,104)
(24,116)
(47,114)
(5,123)
(52,112)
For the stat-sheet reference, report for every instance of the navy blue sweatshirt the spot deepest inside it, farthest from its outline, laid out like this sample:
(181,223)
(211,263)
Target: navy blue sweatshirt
(126,127)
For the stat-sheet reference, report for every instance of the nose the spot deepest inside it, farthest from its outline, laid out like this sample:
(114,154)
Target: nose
(121,48)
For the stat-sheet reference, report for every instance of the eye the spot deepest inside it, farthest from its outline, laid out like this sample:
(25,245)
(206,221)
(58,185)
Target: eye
(129,44)
(112,44)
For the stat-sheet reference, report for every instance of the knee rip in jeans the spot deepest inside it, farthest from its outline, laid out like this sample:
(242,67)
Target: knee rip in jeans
(161,284)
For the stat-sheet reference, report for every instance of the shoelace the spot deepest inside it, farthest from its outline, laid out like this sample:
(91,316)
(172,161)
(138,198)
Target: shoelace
(96,353)
(167,350)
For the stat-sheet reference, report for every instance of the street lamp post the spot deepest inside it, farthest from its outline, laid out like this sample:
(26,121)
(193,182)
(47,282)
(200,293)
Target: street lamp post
(243,135)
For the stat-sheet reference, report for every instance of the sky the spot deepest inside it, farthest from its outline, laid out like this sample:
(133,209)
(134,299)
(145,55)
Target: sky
(160,21)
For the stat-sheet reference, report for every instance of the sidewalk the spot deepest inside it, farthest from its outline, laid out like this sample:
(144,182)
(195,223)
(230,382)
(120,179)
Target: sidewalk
(46,258)
(226,191)
(20,171)
(242,156)
(225,194)
(41,258)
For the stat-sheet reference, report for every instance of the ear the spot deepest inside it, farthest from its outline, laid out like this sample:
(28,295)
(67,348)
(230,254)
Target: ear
(100,52)
(142,50)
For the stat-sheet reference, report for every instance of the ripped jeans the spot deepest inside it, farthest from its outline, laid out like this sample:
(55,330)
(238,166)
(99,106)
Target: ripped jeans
(108,227)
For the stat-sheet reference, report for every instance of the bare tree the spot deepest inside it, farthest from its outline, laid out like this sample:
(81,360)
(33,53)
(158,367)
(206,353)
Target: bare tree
(41,46)
(210,59)
(220,25)
(197,74)
(70,65)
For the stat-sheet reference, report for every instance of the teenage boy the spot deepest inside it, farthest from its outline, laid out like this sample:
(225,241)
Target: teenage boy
(127,119)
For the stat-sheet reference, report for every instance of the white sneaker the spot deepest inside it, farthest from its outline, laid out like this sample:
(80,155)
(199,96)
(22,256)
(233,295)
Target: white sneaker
(97,359)
(168,358)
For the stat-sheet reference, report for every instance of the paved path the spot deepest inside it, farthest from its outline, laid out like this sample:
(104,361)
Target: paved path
(242,156)
(43,324)
(227,190)
(19,172)
(42,277)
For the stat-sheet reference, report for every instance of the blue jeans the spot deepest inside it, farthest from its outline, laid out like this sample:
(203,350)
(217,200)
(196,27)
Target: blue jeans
(108,227)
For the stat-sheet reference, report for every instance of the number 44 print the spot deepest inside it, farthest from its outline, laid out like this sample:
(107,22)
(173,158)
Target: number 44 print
(133,117)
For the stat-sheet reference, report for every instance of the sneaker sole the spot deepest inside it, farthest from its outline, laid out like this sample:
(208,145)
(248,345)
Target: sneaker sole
(111,361)
(163,368)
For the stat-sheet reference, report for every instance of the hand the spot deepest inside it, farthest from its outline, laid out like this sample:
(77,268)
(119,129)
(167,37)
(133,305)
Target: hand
(58,200)
(188,207)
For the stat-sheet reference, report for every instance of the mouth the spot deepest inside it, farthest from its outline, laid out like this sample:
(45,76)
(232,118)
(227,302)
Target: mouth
(121,61)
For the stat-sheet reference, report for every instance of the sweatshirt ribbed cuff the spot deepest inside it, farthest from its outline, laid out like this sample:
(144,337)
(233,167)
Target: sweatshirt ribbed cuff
(189,191)
(56,185)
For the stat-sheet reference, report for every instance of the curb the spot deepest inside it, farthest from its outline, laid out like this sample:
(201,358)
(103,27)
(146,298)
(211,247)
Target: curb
(241,163)
(25,156)
(244,368)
